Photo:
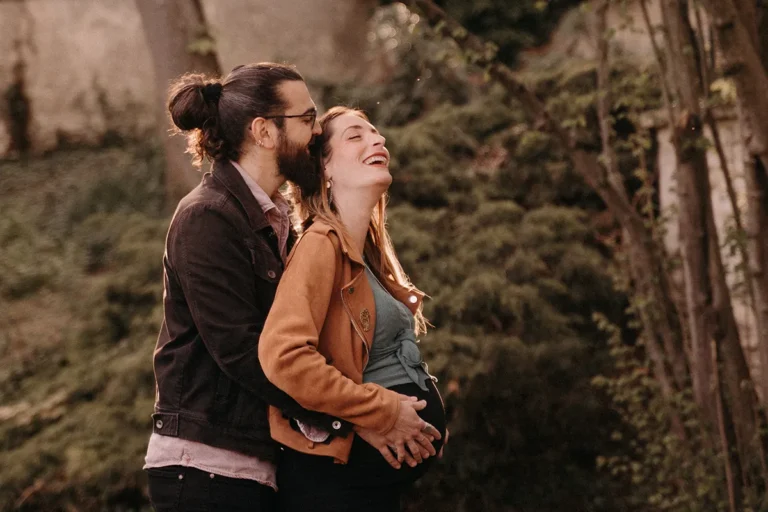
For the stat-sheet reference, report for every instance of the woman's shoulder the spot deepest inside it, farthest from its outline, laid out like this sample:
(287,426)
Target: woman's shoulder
(320,238)
(323,229)
(320,227)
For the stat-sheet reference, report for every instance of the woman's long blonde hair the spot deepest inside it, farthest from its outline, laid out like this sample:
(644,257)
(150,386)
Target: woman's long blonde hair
(379,251)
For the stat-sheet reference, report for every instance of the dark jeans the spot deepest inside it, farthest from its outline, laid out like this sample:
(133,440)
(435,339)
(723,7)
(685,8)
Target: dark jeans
(183,489)
(366,484)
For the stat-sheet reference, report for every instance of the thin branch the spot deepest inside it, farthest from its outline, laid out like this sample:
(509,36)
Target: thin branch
(604,99)
(702,51)
(664,77)
(725,433)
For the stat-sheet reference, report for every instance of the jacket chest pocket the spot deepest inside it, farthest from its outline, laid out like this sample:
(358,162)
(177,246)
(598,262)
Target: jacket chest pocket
(266,266)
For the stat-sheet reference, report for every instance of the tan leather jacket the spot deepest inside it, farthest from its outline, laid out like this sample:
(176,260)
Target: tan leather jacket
(317,338)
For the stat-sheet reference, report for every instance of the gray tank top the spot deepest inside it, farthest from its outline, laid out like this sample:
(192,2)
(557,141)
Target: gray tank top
(395,357)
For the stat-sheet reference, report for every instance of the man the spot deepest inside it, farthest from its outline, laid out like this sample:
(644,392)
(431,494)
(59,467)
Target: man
(224,257)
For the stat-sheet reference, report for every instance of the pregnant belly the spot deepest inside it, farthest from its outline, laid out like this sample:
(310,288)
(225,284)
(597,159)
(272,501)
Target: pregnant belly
(367,467)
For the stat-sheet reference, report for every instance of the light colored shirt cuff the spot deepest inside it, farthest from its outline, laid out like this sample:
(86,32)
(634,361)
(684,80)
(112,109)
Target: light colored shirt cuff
(315,434)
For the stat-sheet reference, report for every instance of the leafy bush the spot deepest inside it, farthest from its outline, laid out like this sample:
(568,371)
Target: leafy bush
(27,260)
(75,418)
(513,292)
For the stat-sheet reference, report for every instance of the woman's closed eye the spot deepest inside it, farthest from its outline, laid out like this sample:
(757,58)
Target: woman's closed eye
(354,137)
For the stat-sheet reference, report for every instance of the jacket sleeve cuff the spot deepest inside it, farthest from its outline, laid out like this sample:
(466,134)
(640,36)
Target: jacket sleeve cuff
(393,404)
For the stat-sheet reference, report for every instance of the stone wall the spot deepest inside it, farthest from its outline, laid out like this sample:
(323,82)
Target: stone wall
(80,71)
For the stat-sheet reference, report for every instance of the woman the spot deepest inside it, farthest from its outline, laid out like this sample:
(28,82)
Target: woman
(340,337)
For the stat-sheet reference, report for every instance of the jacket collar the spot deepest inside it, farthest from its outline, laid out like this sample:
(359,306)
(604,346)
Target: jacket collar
(227,175)
(412,298)
(352,252)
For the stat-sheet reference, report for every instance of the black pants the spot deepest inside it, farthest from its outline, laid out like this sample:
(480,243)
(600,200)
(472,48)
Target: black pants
(366,484)
(183,489)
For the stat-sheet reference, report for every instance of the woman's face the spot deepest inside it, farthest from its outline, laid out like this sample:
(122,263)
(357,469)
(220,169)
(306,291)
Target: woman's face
(358,157)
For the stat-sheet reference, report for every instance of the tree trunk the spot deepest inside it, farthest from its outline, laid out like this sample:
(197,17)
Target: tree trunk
(708,288)
(756,229)
(694,196)
(741,47)
(693,190)
(171,27)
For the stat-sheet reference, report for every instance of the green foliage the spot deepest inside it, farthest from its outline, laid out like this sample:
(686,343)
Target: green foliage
(75,417)
(514,285)
(417,72)
(526,427)
(512,26)
(128,304)
(27,261)
(659,469)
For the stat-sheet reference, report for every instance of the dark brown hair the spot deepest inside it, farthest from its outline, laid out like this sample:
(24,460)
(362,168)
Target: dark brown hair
(215,113)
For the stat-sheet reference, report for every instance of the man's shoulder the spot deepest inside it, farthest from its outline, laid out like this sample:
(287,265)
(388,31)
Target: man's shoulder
(209,212)
(207,194)
(207,198)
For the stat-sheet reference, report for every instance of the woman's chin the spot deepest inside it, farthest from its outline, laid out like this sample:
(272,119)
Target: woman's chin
(380,179)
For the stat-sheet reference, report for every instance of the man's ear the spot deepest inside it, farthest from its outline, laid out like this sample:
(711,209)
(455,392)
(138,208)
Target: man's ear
(264,133)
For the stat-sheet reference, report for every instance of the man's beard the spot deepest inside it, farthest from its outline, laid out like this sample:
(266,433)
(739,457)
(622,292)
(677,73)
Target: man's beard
(300,164)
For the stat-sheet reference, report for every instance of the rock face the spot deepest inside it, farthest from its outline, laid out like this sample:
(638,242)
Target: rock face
(324,38)
(80,72)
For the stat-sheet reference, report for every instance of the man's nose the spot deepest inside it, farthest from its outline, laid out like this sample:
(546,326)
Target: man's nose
(316,129)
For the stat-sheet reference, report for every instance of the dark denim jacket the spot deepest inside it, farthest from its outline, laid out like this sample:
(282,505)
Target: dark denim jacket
(221,269)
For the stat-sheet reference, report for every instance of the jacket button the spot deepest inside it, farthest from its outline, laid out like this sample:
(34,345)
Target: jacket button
(413,299)
(336,425)
(271,274)
(351,290)
(159,423)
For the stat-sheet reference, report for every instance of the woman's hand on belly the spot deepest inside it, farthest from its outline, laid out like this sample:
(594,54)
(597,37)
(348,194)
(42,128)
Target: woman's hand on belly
(379,442)
(412,431)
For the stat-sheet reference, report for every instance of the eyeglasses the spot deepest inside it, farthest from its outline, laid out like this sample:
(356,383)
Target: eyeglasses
(311,115)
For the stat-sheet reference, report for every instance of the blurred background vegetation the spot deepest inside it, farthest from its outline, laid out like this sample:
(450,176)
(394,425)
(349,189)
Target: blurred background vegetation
(538,341)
